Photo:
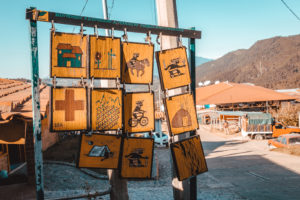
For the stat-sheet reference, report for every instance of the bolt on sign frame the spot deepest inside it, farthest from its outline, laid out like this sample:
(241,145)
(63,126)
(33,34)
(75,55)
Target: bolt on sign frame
(34,15)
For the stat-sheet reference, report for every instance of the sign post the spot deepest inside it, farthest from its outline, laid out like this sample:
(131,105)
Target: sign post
(37,133)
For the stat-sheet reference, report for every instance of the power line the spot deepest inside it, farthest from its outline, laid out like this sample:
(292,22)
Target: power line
(290,10)
(109,14)
(81,12)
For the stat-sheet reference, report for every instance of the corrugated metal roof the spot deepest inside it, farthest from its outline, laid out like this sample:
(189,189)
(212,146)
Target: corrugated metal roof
(225,93)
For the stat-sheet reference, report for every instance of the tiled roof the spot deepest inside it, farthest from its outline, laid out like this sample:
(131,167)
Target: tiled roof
(225,92)
(15,99)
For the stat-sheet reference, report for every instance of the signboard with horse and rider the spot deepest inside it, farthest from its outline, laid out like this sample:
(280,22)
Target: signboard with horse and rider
(137,66)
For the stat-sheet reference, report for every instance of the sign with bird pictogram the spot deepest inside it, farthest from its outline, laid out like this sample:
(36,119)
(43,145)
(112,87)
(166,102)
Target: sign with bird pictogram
(181,113)
(99,151)
(68,55)
(105,57)
(69,109)
(188,157)
(139,112)
(173,67)
(137,64)
(137,157)
(106,110)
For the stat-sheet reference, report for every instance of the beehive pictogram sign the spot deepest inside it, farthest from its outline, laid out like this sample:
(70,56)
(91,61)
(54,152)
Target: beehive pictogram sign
(188,157)
(69,109)
(173,67)
(68,55)
(99,151)
(181,114)
(139,112)
(106,109)
(105,57)
(137,157)
(137,64)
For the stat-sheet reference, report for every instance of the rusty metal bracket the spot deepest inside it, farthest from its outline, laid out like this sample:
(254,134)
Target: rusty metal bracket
(125,36)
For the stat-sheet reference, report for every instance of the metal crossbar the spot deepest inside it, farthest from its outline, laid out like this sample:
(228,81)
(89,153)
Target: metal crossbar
(61,18)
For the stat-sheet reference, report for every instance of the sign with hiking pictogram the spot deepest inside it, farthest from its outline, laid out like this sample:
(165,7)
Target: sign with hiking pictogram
(68,55)
(69,109)
(173,67)
(137,156)
(188,157)
(105,57)
(139,112)
(181,113)
(99,151)
(106,110)
(137,64)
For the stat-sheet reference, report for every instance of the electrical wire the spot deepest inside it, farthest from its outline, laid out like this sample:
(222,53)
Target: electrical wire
(81,12)
(109,13)
(290,9)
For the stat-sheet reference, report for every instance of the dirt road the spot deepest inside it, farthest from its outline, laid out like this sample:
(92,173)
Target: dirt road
(242,169)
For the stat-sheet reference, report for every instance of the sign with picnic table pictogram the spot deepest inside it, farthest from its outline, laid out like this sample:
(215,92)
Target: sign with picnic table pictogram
(139,112)
(69,109)
(68,55)
(173,67)
(181,114)
(188,157)
(99,151)
(137,157)
(106,112)
(137,64)
(105,57)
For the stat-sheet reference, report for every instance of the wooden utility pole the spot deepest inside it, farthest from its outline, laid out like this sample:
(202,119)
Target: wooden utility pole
(119,189)
(167,16)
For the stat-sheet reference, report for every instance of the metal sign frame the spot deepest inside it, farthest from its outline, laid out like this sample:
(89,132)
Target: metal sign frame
(34,15)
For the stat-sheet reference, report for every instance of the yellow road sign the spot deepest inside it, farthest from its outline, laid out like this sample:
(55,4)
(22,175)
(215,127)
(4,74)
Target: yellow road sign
(137,65)
(100,151)
(105,57)
(188,158)
(173,67)
(68,55)
(138,112)
(69,109)
(137,156)
(181,114)
(106,109)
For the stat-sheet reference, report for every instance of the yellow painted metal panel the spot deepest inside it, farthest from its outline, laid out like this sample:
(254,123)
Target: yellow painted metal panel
(106,109)
(137,65)
(68,55)
(138,112)
(137,158)
(69,110)
(174,67)
(105,57)
(181,113)
(100,151)
(188,158)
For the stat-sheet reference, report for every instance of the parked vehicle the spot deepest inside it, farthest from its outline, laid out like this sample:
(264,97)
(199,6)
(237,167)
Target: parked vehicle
(280,129)
(259,126)
(284,141)
(159,138)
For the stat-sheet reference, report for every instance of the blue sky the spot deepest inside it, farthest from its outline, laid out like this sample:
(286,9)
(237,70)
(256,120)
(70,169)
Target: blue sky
(226,25)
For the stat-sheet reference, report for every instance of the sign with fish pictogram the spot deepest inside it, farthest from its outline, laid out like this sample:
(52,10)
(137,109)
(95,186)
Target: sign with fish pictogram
(106,109)
(181,113)
(137,157)
(68,55)
(173,67)
(139,112)
(99,151)
(137,64)
(188,157)
(105,57)
(69,109)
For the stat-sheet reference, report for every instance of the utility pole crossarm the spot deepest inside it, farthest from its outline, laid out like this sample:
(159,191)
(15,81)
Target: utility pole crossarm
(60,18)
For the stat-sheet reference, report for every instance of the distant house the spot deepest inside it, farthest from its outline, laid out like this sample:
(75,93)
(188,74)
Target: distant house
(68,55)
